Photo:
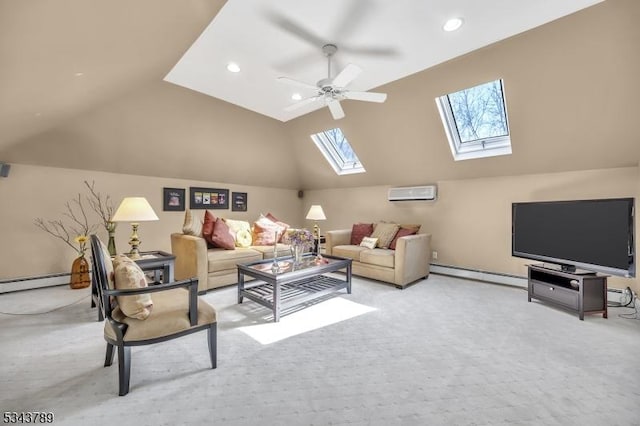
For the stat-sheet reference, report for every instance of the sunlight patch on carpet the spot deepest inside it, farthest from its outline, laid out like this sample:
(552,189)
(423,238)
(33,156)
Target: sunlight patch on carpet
(317,316)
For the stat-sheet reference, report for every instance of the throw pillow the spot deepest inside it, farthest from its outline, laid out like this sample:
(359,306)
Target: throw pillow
(237,225)
(402,232)
(192,225)
(221,237)
(208,225)
(243,238)
(359,231)
(279,222)
(369,242)
(385,232)
(264,231)
(128,274)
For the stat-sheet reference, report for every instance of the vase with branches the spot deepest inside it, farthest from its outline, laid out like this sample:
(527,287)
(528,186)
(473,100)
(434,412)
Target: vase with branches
(103,206)
(75,233)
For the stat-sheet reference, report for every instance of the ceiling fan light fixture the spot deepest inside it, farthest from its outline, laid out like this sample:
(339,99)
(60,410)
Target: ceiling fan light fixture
(452,24)
(233,67)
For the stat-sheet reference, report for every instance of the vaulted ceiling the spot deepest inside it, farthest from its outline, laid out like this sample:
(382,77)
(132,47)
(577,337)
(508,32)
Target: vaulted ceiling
(81,86)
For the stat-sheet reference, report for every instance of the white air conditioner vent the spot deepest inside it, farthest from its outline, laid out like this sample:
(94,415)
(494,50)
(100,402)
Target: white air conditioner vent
(413,193)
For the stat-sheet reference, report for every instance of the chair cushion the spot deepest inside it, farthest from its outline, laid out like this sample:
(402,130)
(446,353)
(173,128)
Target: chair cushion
(108,265)
(170,315)
(127,275)
(385,232)
(348,251)
(379,257)
(359,231)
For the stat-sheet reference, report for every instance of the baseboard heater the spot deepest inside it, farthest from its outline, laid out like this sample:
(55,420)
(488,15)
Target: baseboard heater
(30,283)
(475,274)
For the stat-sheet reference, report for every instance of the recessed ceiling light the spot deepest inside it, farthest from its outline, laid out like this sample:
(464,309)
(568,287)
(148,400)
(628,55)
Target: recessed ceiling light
(452,24)
(38,114)
(233,67)
(79,74)
(296,96)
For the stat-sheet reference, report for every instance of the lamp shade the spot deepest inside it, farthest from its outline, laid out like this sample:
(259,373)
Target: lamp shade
(316,213)
(134,209)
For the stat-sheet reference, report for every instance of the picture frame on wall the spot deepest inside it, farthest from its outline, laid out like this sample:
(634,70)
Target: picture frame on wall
(208,198)
(173,199)
(239,201)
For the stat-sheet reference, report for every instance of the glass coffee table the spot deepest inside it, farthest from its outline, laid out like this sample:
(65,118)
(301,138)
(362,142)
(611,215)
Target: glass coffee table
(282,284)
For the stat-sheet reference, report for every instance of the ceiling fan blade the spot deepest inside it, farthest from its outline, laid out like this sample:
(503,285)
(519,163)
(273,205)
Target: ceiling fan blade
(365,96)
(350,21)
(293,28)
(336,109)
(347,75)
(293,82)
(371,51)
(302,103)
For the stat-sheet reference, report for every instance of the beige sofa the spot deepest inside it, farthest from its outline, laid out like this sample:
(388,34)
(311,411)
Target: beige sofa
(214,267)
(409,262)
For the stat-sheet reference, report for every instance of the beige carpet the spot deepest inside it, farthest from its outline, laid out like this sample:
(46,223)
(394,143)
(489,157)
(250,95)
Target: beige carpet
(445,351)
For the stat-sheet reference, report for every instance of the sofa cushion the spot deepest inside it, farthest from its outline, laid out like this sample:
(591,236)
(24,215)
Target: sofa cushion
(221,237)
(369,242)
(243,238)
(192,225)
(128,275)
(221,260)
(349,251)
(385,232)
(359,231)
(402,232)
(379,257)
(208,223)
(267,251)
(264,232)
(235,226)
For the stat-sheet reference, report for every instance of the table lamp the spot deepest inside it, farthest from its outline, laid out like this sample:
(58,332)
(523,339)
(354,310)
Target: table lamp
(134,210)
(316,213)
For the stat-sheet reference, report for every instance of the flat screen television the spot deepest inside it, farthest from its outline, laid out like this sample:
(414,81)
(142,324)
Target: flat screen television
(595,235)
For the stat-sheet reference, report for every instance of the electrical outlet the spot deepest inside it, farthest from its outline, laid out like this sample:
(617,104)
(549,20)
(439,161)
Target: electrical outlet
(434,255)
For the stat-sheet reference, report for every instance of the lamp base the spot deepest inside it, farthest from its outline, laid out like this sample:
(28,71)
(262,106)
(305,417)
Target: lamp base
(134,242)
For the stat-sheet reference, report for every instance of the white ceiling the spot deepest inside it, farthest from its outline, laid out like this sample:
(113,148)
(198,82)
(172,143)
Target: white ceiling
(387,39)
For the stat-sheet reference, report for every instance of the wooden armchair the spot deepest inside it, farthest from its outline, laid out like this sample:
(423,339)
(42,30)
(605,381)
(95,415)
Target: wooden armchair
(176,311)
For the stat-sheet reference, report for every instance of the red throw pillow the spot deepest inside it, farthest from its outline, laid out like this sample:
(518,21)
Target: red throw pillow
(221,237)
(207,226)
(359,231)
(402,232)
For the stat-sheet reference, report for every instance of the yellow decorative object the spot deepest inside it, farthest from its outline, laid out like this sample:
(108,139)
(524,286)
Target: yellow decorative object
(243,238)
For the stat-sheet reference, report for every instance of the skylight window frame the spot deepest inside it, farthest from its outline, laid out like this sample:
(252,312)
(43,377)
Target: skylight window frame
(480,148)
(327,146)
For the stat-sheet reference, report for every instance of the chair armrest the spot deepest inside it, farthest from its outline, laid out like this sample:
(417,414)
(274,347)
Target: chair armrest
(191,258)
(191,284)
(338,237)
(413,258)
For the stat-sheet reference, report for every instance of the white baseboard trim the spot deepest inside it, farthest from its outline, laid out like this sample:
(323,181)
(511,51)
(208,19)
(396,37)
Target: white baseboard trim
(472,274)
(30,283)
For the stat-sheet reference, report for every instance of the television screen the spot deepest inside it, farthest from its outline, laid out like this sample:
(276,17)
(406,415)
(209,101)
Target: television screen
(597,235)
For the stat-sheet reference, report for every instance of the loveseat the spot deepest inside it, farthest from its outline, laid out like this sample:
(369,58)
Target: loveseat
(216,266)
(405,264)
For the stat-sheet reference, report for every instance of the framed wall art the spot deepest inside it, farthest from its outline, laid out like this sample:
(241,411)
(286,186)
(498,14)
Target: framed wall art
(239,201)
(208,198)
(173,199)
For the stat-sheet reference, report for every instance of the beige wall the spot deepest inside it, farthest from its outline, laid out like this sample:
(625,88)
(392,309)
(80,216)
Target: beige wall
(34,191)
(471,219)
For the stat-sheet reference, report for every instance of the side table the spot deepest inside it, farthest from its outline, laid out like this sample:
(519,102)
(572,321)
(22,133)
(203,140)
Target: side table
(159,262)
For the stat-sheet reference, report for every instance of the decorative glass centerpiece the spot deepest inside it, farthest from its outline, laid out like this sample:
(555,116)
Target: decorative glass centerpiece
(301,240)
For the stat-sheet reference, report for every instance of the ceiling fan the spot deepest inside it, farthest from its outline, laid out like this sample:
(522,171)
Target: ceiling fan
(333,90)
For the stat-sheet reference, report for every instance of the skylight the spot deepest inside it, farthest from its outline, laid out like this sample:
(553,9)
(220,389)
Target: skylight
(475,121)
(336,149)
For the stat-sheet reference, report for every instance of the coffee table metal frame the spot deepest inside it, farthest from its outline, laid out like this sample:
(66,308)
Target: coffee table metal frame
(292,285)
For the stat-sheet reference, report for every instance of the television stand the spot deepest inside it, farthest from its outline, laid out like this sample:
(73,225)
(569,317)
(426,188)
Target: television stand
(580,293)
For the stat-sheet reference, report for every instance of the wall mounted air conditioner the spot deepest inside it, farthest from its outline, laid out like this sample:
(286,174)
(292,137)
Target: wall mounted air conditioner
(413,193)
